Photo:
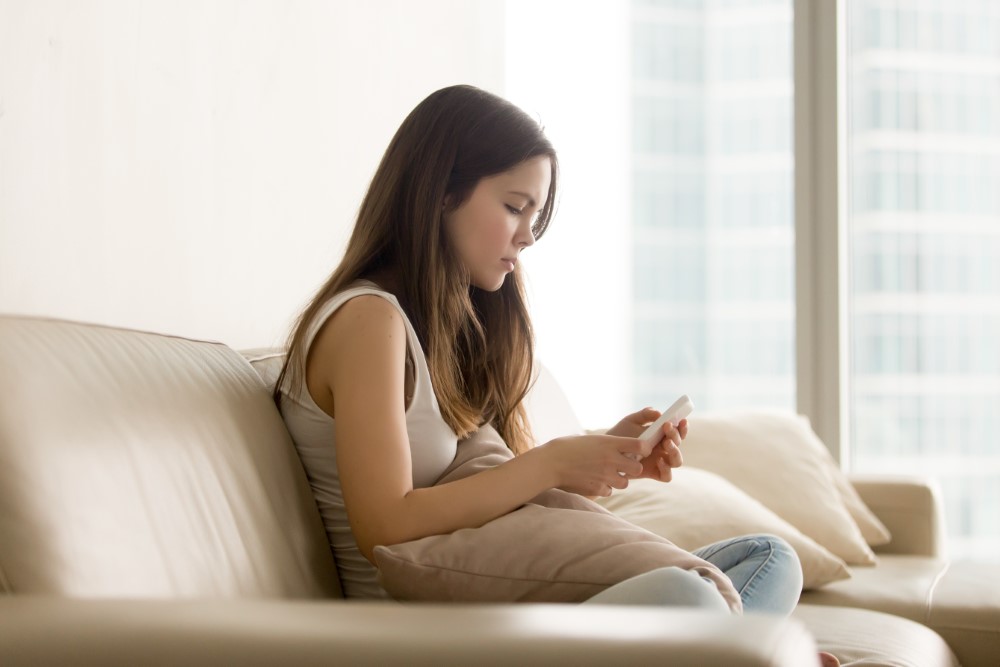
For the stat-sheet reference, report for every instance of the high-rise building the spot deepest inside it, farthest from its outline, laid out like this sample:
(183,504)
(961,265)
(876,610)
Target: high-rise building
(714,235)
(924,223)
(712,181)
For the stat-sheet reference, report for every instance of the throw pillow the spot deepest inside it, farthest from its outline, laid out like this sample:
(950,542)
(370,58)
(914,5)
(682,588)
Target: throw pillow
(561,547)
(872,529)
(777,459)
(698,508)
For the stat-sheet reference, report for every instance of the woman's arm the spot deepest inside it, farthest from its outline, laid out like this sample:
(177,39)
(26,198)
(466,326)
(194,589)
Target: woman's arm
(359,358)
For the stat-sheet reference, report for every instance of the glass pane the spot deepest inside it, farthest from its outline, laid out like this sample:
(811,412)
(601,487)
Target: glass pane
(713,238)
(924,225)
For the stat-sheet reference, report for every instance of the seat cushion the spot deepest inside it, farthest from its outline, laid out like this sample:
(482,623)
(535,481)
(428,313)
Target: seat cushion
(960,601)
(141,465)
(862,637)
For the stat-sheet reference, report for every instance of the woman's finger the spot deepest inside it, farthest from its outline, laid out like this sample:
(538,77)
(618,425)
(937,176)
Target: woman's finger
(668,430)
(674,457)
(644,416)
(671,435)
(665,474)
(619,482)
(630,467)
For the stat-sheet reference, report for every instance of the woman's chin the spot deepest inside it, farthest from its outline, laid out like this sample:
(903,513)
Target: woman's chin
(494,288)
(491,285)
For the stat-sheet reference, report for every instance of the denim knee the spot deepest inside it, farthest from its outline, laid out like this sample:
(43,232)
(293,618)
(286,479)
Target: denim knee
(784,577)
(781,551)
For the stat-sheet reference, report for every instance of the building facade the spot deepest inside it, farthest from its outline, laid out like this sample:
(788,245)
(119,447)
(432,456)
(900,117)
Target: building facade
(713,229)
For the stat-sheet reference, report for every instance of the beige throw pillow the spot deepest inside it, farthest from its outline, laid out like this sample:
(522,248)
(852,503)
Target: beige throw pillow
(872,529)
(561,547)
(777,459)
(698,508)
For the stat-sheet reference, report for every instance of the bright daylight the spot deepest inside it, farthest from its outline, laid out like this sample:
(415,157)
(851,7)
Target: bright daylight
(500,332)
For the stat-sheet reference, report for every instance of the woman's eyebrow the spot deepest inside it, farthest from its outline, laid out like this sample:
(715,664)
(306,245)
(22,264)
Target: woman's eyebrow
(531,200)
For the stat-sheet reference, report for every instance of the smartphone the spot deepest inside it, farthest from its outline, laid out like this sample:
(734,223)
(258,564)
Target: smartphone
(681,408)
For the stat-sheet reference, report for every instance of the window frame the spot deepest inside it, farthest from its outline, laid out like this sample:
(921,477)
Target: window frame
(822,280)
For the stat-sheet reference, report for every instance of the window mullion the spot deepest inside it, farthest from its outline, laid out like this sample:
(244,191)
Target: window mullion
(820,210)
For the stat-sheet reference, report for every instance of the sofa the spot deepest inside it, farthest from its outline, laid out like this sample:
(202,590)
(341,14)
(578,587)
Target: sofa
(153,510)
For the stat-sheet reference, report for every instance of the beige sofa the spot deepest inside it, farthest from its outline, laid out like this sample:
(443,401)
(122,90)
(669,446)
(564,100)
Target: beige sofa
(153,511)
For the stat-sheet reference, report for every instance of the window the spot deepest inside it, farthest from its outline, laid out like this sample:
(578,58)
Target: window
(923,157)
(682,126)
(712,195)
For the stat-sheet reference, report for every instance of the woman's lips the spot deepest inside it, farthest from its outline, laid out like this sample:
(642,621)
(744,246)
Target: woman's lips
(509,263)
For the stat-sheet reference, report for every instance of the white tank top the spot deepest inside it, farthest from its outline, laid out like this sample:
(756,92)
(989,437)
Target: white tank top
(432,447)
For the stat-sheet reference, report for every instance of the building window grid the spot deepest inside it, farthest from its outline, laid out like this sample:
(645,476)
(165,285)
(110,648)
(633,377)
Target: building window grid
(930,101)
(901,178)
(927,378)
(962,26)
(699,114)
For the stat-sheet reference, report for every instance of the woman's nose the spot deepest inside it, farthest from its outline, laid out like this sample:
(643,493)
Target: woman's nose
(525,237)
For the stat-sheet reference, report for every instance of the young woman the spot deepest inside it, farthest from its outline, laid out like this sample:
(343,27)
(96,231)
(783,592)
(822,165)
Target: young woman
(421,336)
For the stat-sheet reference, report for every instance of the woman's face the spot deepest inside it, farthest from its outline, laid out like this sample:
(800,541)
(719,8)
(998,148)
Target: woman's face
(493,225)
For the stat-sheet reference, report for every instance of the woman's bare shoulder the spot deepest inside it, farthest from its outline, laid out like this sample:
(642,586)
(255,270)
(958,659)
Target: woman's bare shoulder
(365,322)
(368,309)
(365,338)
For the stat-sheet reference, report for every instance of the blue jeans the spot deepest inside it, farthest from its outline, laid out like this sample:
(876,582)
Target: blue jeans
(763,568)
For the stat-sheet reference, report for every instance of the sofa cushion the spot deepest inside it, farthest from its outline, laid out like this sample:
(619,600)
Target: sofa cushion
(862,637)
(777,459)
(960,601)
(142,465)
(698,508)
(568,548)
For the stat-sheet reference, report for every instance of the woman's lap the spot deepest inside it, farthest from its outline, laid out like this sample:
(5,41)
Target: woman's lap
(764,570)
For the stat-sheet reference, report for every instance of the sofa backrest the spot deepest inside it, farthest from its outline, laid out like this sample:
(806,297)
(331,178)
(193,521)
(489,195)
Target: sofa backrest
(143,465)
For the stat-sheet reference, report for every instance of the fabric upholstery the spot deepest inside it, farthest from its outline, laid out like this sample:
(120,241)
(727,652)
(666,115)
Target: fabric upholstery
(872,529)
(777,459)
(698,508)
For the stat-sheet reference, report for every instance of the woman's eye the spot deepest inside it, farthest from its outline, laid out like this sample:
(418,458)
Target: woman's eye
(515,211)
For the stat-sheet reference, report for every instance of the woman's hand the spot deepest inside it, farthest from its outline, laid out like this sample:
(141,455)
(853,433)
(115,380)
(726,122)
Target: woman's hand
(666,454)
(592,465)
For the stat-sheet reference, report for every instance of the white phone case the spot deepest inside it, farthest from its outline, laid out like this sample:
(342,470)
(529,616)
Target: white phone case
(681,408)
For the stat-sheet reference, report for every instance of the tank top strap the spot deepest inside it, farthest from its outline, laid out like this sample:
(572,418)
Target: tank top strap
(422,376)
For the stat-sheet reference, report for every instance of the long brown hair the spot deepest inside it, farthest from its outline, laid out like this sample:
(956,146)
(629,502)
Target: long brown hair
(479,344)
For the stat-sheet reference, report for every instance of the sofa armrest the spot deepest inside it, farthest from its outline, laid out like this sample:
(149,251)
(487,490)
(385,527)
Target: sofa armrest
(40,630)
(910,507)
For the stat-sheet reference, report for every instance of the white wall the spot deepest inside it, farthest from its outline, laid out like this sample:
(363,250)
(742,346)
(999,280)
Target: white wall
(195,167)
(568,64)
